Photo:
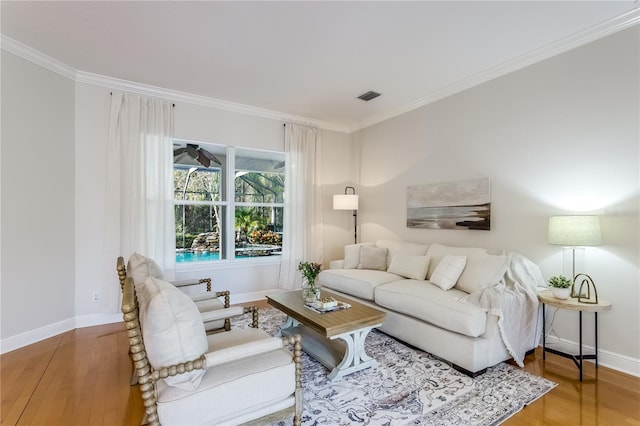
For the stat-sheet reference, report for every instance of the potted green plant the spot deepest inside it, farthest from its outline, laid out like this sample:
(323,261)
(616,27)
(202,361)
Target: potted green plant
(310,272)
(560,286)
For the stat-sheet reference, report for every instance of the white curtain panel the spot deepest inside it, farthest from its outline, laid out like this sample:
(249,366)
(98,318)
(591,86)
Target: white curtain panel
(303,203)
(140,180)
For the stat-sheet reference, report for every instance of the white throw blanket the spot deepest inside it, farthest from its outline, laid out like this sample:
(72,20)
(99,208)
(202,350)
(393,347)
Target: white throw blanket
(514,301)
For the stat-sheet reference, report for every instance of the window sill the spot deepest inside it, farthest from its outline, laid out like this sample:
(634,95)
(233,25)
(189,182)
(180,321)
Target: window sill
(186,267)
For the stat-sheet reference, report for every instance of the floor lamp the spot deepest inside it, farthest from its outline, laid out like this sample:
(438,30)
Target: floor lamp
(575,232)
(348,201)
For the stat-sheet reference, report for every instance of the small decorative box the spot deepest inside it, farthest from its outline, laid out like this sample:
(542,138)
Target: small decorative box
(326,303)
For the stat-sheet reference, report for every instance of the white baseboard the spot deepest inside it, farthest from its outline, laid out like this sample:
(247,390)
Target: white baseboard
(33,336)
(97,319)
(606,358)
(28,337)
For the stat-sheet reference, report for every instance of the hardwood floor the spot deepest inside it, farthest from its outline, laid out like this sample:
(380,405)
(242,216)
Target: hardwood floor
(82,378)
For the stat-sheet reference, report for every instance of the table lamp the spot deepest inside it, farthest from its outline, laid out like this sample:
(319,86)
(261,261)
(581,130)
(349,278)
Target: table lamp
(348,201)
(576,232)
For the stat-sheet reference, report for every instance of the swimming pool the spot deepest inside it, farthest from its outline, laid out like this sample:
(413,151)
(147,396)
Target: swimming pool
(198,256)
(241,253)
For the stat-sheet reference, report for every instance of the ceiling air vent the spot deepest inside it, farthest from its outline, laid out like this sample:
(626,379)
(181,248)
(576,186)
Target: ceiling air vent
(369,95)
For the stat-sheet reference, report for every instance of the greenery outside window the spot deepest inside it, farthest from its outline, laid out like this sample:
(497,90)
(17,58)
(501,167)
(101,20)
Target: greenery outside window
(259,202)
(211,226)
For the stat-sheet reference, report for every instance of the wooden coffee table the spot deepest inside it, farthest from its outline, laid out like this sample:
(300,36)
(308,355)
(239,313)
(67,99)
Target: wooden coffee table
(335,339)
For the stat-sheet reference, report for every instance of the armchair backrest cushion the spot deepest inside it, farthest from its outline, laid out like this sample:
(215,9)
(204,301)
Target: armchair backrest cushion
(140,268)
(173,331)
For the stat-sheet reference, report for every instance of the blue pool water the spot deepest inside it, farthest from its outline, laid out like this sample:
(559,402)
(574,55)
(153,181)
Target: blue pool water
(188,256)
(248,251)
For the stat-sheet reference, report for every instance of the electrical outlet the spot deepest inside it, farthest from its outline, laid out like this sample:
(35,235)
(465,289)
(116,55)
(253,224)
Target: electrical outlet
(96,297)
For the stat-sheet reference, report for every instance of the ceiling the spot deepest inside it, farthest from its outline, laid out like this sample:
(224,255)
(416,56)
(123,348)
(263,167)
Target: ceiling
(309,60)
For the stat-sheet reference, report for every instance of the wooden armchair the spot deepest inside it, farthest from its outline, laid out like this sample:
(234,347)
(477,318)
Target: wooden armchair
(188,377)
(216,312)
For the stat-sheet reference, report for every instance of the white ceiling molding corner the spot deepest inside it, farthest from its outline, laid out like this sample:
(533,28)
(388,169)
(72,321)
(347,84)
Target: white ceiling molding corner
(178,96)
(34,56)
(574,40)
(596,32)
(25,52)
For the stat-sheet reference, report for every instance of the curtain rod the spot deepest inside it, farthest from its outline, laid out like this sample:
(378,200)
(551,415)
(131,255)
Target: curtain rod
(111,94)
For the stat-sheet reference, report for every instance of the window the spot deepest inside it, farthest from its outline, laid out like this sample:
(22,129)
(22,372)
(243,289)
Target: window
(212,226)
(259,202)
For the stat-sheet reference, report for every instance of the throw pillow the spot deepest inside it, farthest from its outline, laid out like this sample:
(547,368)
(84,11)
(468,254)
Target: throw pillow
(409,266)
(173,332)
(482,271)
(401,247)
(352,256)
(140,268)
(448,271)
(373,258)
(438,251)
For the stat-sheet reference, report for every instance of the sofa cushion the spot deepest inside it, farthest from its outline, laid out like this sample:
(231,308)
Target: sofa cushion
(409,266)
(355,282)
(437,251)
(425,301)
(397,247)
(373,258)
(173,331)
(448,271)
(352,255)
(482,271)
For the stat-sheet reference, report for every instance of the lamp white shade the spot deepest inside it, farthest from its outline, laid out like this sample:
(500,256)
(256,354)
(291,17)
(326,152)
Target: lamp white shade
(345,202)
(575,230)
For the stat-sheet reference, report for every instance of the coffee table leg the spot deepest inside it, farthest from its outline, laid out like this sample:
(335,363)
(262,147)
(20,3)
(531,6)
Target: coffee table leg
(355,358)
(289,323)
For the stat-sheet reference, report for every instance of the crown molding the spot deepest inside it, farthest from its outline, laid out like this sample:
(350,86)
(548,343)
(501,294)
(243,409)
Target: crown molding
(25,52)
(19,49)
(573,41)
(185,97)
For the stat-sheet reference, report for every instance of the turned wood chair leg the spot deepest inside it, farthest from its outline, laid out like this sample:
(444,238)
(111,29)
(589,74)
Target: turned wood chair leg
(254,315)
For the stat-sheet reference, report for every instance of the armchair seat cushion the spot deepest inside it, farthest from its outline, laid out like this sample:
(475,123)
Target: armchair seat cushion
(230,384)
(239,343)
(209,304)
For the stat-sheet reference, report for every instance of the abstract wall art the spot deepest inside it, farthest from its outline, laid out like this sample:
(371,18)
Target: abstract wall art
(452,205)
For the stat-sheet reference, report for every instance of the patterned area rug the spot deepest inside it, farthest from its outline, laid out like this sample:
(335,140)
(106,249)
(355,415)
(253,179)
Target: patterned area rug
(409,387)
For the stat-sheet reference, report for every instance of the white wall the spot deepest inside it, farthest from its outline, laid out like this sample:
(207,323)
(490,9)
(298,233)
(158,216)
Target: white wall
(37,201)
(557,137)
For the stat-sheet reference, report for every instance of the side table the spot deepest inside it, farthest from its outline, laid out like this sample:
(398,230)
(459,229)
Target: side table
(571,304)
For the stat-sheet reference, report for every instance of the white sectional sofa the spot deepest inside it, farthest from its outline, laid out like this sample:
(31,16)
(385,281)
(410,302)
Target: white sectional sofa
(472,307)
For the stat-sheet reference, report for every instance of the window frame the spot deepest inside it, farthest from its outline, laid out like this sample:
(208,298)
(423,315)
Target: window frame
(228,202)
